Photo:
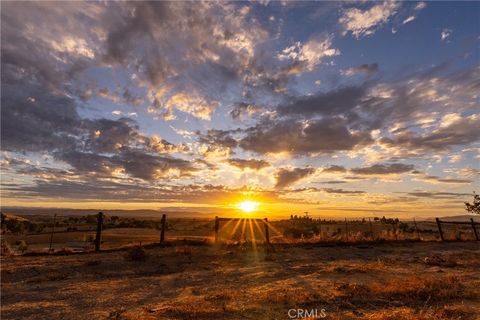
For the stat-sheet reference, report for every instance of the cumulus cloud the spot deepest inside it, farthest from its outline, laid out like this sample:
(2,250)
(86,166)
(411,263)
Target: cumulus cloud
(126,97)
(335,102)
(218,138)
(44,123)
(453,130)
(365,22)
(182,47)
(71,72)
(312,52)
(159,145)
(194,105)
(132,162)
(321,136)
(469,172)
(286,176)
(241,109)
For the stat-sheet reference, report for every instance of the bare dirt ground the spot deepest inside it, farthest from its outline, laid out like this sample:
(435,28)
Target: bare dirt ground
(429,280)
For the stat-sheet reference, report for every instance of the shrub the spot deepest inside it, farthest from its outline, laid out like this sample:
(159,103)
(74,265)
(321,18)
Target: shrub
(5,250)
(137,254)
(22,246)
(93,263)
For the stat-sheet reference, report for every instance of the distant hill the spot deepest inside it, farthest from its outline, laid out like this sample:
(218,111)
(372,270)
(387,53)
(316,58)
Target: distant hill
(121,213)
(11,216)
(464,217)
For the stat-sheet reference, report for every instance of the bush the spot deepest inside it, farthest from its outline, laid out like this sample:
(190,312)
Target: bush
(137,254)
(5,250)
(22,246)
(93,263)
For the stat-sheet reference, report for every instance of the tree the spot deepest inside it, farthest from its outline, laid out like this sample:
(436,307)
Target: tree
(473,207)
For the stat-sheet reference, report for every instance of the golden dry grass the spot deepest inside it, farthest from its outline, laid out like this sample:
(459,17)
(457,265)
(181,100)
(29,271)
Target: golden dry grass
(379,282)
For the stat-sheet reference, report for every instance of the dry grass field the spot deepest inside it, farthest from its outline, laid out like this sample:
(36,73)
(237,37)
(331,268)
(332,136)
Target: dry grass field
(402,280)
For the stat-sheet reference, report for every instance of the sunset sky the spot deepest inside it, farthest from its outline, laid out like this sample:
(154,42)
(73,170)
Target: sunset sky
(335,108)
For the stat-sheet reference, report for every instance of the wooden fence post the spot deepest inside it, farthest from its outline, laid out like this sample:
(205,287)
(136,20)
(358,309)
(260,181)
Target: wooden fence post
(98,238)
(53,231)
(320,228)
(416,229)
(162,226)
(346,229)
(267,234)
(439,228)
(474,229)
(217,226)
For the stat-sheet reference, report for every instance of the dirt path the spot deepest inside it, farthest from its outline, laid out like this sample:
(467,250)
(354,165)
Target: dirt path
(391,281)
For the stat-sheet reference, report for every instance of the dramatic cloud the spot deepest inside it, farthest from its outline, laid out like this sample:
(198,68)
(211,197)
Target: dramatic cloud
(338,101)
(453,130)
(435,90)
(249,163)
(364,23)
(135,163)
(121,98)
(286,177)
(218,138)
(168,102)
(325,136)
(35,120)
(106,136)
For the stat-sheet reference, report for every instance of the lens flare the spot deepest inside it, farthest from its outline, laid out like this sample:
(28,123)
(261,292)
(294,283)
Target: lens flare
(247,206)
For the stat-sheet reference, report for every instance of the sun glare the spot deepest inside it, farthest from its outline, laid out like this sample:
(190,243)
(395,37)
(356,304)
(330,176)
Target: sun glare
(247,206)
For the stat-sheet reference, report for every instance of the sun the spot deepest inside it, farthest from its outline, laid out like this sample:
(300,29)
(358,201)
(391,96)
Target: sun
(247,206)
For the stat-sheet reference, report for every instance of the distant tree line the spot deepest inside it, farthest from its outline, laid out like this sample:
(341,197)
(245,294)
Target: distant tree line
(20,226)
(17,226)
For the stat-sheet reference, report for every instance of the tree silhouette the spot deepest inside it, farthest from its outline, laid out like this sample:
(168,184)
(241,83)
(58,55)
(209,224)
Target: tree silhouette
(473,207)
